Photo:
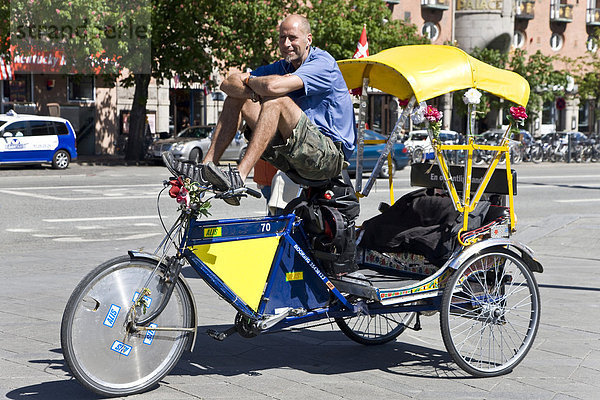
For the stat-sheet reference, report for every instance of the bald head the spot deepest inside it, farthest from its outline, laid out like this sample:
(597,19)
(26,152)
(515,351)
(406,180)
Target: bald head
(297,20)
(295,39)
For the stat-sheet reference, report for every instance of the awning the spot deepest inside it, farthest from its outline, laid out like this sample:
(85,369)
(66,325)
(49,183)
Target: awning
(428,71)
(6,71)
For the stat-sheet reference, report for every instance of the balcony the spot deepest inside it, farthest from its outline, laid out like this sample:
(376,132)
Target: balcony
(525,9)
(435,4)
(561,13)
(593,16)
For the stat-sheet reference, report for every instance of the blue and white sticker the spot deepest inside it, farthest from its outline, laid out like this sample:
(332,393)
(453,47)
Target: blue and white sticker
(121,348)
(111,316)
(150,335)
(147,299)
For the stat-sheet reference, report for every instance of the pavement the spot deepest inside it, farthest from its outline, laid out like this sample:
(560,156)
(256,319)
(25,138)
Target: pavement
(106,159)
(319,362)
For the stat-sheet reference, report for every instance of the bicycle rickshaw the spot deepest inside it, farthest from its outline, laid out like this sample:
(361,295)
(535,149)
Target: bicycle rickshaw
(129,320)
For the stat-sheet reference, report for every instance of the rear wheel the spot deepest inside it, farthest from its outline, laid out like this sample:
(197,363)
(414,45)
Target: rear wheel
(375,329)
(385,170)
(101,350)
(418,155)
(61,159)
(490,313)
(195,156)
(537,154)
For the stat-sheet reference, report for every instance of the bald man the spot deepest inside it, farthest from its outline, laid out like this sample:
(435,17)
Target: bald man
(298,109)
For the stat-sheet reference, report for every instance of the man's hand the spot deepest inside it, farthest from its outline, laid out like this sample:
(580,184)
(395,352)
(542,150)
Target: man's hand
(234,86)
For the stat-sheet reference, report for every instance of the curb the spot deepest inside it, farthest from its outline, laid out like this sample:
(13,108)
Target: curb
(108,161)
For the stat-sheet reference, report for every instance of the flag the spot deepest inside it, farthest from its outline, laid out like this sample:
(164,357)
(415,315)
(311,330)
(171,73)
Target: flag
(362,50)
(362,47)
(6,71)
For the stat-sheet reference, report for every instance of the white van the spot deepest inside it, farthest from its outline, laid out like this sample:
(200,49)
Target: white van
(33,139)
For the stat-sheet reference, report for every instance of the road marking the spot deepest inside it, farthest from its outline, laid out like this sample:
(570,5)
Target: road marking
(100,218)
(45,176)
(576,201)
(519,177)
(82,187)
(47,197)
(79,239)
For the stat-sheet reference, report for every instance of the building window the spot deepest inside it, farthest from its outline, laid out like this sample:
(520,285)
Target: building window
(592,44)
(518,39)
(18,90)
(556,41)
(584,114)
(81,88)
(430,31)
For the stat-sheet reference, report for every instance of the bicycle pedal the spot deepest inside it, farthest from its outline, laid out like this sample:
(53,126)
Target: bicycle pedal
(220,336)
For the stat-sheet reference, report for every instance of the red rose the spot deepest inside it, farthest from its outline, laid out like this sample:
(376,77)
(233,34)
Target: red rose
(518,113)
(176,185)
(403,102)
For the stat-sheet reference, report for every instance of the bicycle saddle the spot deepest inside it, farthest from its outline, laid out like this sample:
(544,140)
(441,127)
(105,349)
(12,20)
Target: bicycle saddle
(296,178)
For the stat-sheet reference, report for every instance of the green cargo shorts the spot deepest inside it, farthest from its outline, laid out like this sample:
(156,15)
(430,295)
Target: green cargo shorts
(308,152)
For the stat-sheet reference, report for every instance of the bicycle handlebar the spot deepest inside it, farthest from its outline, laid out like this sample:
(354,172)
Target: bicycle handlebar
(253,193)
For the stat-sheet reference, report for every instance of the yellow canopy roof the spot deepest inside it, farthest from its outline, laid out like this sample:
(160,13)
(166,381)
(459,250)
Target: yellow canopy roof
(429,71)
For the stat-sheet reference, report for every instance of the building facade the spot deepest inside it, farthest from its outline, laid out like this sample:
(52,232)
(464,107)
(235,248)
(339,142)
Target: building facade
(554,27)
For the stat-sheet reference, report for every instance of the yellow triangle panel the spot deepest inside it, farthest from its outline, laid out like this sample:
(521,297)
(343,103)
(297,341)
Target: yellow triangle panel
(243,265)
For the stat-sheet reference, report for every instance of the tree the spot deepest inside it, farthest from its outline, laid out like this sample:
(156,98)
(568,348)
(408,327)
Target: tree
(586,73)
(546,81)
(193,38)
(337,26)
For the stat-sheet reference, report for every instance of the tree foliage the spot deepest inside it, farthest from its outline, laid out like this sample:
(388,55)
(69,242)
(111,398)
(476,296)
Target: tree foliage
(337,25)
(586,72)
(546,81)
(196,38)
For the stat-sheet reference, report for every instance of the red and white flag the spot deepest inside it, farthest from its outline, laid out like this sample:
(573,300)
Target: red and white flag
(6,71)
(362,50)
(362,47)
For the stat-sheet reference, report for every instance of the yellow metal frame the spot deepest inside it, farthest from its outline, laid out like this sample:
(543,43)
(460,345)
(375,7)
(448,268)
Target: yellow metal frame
(467,204)
(420,73)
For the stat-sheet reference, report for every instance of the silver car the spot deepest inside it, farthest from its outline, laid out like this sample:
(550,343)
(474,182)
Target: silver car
(192,143)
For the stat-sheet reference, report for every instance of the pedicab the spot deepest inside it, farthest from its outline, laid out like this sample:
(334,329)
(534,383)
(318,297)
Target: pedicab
(129,320)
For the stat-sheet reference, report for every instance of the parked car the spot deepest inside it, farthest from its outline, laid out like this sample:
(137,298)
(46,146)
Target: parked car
(192,143)
(419,146)
(34,139)
(371,154)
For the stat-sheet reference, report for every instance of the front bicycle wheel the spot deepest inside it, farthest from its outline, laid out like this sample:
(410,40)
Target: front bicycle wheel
(375,329)
(101,350)
(490,313)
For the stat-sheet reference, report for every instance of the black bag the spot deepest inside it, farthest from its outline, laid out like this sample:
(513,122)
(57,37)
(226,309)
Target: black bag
(329,214)
(420,222)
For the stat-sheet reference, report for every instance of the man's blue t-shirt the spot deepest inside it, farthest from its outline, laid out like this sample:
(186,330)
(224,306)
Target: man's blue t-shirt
(324,99)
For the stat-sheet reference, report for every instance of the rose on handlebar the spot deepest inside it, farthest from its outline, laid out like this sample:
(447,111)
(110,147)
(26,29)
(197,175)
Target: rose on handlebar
(189,195)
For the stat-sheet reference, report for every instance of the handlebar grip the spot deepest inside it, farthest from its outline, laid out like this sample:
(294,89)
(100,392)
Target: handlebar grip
(253,193)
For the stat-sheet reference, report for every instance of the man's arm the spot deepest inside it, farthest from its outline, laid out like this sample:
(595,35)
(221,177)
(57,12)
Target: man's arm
(274,85)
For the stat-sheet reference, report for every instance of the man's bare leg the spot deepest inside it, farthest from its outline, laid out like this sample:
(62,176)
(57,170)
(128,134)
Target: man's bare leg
(226,128)
(280,113)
